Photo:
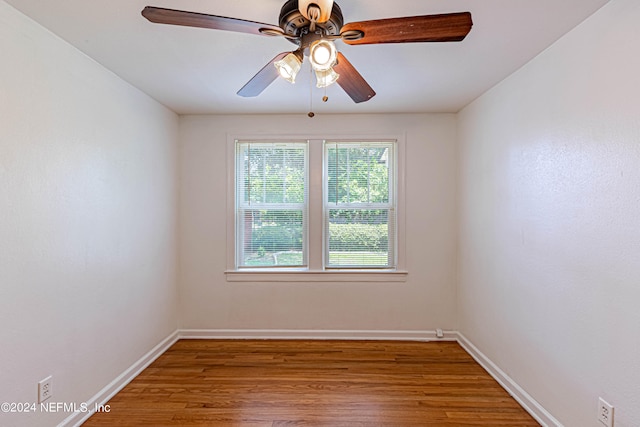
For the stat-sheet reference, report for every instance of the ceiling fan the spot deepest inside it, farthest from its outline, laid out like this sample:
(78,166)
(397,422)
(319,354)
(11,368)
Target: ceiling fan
(313,25)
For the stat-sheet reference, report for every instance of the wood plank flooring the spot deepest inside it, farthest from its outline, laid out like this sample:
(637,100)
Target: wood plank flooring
(276,383)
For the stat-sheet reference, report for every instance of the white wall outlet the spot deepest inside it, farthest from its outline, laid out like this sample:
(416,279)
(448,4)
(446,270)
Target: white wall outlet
(45,389)
(439,333)
(605,413)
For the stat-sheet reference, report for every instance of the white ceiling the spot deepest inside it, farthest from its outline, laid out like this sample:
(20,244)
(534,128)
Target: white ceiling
(199,71)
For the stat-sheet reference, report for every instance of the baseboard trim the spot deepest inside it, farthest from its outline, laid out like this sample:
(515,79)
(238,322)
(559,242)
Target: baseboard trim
(306,334)
(536,410)
(103,396)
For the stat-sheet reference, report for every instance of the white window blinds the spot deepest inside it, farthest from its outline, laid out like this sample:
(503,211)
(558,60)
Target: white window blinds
(359,205)
(271,204)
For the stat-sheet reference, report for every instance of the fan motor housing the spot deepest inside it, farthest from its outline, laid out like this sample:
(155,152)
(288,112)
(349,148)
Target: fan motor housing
(293,22)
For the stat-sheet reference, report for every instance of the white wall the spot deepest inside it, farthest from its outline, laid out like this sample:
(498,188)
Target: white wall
(550,221)
(425,302)
(88,198)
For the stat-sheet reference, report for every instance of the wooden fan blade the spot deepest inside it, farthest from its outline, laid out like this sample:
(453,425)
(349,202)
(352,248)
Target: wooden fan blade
(160,15)
(352,82)
(262,79)
(450,27)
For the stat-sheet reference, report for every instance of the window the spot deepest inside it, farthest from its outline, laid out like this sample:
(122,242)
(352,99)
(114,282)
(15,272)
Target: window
(271,212)
(359,205)
(315,209)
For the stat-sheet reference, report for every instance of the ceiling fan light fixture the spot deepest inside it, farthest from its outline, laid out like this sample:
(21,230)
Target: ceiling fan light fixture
(289,66)
(326,78)
(323,55)
(298,20)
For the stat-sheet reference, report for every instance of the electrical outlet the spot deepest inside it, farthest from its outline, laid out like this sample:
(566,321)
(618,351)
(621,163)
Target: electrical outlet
(45,389)
(605,413)
(439,333)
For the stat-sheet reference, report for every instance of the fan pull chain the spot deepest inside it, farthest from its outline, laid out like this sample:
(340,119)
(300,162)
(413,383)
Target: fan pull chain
(325,98)
(311,113)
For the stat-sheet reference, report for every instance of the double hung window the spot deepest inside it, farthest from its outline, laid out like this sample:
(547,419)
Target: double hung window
(353,224)
(359,205)
(271,204)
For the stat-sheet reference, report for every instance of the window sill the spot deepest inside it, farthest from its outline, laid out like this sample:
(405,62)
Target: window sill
(316,276)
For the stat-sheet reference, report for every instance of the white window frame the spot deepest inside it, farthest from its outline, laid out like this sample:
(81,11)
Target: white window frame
(390,205)
(241,206)
(315,272)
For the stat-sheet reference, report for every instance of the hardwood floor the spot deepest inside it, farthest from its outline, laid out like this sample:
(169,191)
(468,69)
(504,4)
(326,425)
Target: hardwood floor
(313,383)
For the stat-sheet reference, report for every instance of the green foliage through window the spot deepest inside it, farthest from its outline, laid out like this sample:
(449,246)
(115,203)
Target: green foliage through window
(271,189)
(359,204)
(358,174)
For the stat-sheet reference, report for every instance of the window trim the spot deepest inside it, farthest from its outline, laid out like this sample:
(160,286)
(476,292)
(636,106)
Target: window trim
(391,205)
(304,206)
(315,271)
